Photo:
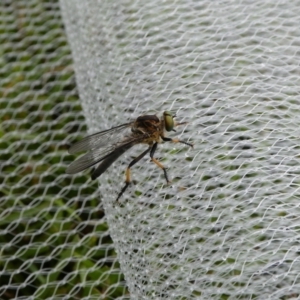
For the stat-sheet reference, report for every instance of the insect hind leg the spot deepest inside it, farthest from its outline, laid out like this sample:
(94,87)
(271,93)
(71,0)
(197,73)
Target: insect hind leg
(128,179)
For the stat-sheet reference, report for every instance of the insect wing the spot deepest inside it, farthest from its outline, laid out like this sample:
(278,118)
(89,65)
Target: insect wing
(96,155)
(89,159)
(99,139)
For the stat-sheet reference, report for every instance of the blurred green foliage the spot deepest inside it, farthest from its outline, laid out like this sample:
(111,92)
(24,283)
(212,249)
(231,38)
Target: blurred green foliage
(54,238)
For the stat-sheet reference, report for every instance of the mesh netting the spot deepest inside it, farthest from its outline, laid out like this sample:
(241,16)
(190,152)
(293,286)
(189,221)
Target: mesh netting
(227,226)
(54,237)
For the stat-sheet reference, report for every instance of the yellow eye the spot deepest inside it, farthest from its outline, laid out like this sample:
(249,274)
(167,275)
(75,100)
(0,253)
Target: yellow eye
(169,121)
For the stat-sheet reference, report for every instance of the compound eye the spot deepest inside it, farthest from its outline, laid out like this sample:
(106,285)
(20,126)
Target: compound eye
(169,121)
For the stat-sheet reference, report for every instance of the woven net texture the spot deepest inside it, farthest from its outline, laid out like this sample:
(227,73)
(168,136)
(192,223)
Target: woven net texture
(54,238)
(227,226)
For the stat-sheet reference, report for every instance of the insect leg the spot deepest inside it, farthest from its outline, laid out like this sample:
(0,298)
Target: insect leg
(107,162)
(127,181)
(176,141)
(153,149)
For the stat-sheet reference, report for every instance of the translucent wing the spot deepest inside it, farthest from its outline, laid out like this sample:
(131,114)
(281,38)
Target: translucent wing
(100,139)
(99,152)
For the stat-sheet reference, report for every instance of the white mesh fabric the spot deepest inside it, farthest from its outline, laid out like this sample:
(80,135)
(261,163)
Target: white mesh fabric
(227,228)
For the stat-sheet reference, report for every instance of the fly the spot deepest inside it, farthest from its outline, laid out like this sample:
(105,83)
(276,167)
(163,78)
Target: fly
(108,145)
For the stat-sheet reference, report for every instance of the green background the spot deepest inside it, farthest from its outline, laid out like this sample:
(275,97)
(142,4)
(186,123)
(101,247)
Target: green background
(54,238)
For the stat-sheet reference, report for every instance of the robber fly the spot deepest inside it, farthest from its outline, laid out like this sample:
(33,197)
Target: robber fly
(108,145)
